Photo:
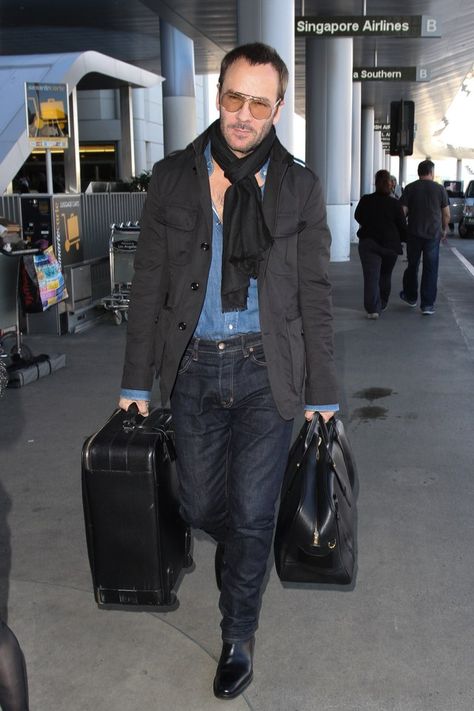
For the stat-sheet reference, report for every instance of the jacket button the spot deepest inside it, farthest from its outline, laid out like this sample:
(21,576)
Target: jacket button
(195,285)
(205,246)
(182,326)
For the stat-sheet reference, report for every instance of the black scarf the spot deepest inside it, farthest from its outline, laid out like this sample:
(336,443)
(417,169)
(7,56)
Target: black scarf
(245,235)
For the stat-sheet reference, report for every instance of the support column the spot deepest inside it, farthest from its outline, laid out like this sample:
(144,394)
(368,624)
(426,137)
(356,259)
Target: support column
(402,170)
(378,152)
(459,169)
(179,95)
(139,135)
(127,151)
(367,145)
(355,154)
(328,132)
(273,23)
(72,163)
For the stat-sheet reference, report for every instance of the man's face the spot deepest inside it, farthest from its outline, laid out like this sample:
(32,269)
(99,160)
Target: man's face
(242,131)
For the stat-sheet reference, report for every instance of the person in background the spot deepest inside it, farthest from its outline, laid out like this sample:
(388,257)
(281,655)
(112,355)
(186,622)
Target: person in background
(231,306)
(13,681)
(382,229)
(395,189)
(427,205)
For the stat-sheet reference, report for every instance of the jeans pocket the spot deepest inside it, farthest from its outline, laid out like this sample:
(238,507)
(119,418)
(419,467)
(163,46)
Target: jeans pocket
(257,356)
(186,361)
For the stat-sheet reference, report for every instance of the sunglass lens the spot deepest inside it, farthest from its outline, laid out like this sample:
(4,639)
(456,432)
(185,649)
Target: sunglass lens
(232,103)
(259,110)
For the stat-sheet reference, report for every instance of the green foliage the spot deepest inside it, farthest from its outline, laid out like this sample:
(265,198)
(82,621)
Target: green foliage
(139,183)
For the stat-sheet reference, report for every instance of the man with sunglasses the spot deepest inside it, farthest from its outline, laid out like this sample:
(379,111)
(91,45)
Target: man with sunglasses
(231,307)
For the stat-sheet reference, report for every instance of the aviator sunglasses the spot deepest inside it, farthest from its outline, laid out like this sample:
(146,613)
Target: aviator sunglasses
(259,108)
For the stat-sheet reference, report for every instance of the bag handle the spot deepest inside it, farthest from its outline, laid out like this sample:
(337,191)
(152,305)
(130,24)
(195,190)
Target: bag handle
(131,422)
(318,424)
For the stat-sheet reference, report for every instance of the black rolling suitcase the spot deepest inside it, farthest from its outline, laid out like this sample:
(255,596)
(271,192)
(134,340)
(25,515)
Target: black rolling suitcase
(136,540)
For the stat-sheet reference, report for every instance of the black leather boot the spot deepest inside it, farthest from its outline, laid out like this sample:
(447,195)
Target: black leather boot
(235,669)
(219,563)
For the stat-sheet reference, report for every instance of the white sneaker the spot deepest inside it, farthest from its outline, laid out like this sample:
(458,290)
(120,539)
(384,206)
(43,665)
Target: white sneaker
(373,316)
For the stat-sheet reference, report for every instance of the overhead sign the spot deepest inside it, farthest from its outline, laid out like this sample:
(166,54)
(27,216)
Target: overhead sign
(47,115)
(390,74)
(368,26)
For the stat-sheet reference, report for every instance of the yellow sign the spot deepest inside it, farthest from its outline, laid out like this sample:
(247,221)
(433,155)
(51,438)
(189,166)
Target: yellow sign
(47,115)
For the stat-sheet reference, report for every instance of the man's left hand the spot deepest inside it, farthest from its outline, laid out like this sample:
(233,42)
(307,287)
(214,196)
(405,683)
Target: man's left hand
(309,414)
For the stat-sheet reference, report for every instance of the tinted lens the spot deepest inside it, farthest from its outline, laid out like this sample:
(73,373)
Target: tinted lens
(259,110)
(234,102)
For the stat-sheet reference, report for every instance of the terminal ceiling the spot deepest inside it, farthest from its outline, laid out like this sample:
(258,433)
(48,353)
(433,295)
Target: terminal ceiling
(130,31)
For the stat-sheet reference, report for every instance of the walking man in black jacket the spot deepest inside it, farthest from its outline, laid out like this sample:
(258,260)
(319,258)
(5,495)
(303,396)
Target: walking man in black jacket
(231,307)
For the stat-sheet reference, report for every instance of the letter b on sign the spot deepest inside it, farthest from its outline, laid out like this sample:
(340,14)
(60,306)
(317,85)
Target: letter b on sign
(402,127)
(430,27)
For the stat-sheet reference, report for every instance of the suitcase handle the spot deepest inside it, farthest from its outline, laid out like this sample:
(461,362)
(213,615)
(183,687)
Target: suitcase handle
(133,413)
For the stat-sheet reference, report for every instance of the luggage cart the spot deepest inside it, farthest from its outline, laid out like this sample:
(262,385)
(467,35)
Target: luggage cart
(17,360)
(11,343)
(122,248)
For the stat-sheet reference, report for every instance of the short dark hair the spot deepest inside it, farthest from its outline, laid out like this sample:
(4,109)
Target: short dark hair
(257,53)
(383,182)
(426,167)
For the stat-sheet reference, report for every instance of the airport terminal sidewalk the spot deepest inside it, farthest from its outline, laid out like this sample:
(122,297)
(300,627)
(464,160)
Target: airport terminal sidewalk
(400,640)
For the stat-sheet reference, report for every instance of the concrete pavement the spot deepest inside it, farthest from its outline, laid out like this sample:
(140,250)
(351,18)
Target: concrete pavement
(400,640)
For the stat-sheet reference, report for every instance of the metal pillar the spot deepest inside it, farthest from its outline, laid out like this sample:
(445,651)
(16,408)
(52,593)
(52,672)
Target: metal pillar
(273,23)
(127,152)
(72,163)
(355,154)
(179,96)
(139,130)
(367,145)
(328,131)
(379,162)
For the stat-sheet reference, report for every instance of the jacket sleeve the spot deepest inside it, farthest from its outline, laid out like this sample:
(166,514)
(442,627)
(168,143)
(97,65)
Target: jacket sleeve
(314,243)
(148,295)
(401,222)
(360,211)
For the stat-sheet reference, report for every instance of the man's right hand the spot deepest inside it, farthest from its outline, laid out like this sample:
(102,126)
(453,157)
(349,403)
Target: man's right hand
(124,404)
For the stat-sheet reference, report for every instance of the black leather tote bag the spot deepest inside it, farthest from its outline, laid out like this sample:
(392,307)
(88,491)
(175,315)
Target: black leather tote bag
(314,537)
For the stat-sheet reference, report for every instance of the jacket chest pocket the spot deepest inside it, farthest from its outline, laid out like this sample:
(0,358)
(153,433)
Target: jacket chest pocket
(180,229)
(283,252)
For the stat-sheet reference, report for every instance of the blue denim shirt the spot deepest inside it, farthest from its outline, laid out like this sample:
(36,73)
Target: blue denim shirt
(213,324)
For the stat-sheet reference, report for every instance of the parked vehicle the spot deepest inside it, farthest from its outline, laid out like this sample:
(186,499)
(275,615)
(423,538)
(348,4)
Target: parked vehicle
(456,201)
(466,225)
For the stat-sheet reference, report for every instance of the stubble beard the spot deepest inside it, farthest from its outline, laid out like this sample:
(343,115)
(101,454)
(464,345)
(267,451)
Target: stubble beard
(244,150)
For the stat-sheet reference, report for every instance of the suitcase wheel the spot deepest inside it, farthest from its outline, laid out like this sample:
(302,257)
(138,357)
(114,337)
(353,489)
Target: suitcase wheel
(169,598)
(188,559)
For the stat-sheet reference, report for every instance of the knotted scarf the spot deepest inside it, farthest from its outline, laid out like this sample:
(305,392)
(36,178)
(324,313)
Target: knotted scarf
(245,235)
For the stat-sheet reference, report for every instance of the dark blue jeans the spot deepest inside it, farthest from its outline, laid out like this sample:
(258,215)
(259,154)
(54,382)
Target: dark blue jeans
(429,249)
(232,447)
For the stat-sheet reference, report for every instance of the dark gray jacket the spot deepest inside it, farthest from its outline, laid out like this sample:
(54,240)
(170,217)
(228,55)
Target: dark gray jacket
(172,266)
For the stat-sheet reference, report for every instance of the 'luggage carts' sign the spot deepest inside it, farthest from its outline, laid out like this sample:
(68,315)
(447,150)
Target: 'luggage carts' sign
(47,115)
(368,26)
(67,229)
